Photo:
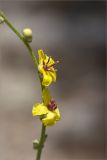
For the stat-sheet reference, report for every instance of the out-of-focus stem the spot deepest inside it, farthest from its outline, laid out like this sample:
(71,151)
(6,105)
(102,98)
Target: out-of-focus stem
(41,142)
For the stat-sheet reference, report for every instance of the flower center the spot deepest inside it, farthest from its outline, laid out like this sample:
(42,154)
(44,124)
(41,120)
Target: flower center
(52,105)
(48,67)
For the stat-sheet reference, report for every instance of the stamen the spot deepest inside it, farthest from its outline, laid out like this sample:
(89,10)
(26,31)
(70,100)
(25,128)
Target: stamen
(52,105)
(51,65)
(56,62)
(43,62)
(48,60)
(50,70)
(45,67)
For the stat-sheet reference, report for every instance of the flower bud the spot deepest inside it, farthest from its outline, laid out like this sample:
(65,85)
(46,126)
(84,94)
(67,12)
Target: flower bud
(27,33)
(35,144)
(1,19)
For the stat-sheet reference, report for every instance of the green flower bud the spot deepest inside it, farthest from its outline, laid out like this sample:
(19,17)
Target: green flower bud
(1,19)
(35,144)
(27,33)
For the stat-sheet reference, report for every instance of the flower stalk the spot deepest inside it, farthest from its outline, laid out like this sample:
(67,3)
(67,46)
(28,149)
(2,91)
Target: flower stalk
(47,110)
(41,142)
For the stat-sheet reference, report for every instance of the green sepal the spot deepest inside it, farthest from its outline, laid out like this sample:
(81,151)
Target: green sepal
(27,39)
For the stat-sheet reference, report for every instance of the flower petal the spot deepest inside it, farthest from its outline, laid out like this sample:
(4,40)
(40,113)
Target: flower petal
(41,55)
(40,68)
(49,60)
(53,75)
(47,79)
(58,116)
(50,119)
(39,109)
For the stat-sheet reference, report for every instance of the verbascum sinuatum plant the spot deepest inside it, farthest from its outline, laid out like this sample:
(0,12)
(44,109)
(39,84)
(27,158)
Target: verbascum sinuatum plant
(47,110)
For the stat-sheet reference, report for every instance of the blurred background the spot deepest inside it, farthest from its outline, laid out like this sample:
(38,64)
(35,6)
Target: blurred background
(74,33)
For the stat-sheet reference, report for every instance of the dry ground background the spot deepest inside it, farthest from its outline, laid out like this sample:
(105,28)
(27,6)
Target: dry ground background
(74,33)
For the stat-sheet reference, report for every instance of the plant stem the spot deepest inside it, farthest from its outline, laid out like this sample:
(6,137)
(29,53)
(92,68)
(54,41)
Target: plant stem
(41,142)
(43,136)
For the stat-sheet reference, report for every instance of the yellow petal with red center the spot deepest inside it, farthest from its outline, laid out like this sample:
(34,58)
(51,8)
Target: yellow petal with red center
(39,109)
(46,68)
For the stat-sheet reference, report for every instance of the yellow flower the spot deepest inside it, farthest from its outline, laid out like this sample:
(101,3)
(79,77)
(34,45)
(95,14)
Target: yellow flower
(48,117)
(46,68)
(48,111)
